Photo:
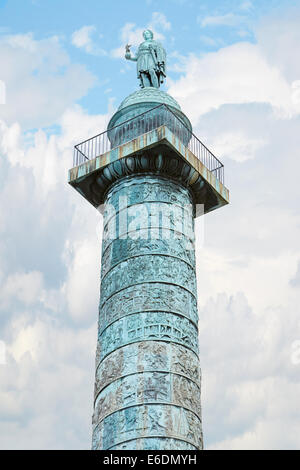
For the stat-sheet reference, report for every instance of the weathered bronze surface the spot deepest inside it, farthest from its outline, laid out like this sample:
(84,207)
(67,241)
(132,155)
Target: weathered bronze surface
(158,152)
(147,390)
(148,184)
(151,61)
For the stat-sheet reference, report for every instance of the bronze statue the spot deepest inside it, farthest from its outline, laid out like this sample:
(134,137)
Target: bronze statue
(151,61)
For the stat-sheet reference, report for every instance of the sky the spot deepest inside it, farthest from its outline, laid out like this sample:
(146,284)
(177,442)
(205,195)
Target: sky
(233,67)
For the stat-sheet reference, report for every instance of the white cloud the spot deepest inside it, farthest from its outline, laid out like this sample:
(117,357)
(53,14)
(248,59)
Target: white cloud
(208,41)
(278,41)
(229,19)
(159,20)
(243,101)
(246,6)
(83,276)
(249,381)
(275,428)
(38,406)
(295,281)
(44,92)
(237,145)
(82,38)
(48,325)
(236,74)
(26,287)
(2,92)
(132,34)
(23,41)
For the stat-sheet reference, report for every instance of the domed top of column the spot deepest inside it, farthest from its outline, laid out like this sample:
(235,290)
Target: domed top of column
(144,100)
(149,95)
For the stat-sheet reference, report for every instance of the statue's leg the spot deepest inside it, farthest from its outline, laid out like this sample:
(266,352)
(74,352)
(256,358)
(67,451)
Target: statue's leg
(154,79)
(146,79)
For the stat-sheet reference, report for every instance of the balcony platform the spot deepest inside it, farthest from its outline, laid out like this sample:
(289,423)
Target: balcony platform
(159,152)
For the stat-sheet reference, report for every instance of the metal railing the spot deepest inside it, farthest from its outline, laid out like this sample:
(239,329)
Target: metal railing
(138,125)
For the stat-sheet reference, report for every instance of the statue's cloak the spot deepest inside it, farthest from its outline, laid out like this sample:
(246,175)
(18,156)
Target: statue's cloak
(150,55)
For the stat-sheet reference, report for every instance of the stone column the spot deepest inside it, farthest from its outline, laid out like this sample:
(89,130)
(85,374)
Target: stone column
(147,388)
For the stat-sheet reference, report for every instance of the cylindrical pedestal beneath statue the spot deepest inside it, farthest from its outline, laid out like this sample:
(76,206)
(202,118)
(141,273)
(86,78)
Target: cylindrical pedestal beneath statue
(147,388)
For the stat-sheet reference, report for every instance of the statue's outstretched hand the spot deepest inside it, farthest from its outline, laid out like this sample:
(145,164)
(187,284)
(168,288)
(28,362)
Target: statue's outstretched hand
(128,55)
(127,51)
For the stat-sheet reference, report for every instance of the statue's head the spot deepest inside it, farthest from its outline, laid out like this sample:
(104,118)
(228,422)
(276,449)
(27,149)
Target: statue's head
(147,34)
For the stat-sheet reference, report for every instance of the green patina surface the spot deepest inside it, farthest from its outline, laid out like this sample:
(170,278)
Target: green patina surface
(79,176)
(148,378)
(147,391)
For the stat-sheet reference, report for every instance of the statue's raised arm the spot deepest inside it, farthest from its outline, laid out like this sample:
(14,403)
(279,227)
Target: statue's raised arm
(151,61)
(128,53)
